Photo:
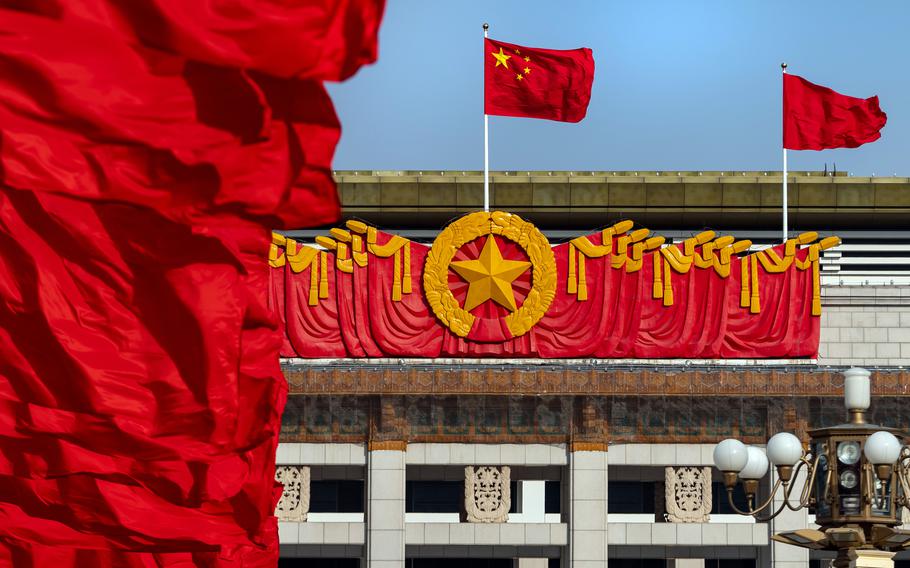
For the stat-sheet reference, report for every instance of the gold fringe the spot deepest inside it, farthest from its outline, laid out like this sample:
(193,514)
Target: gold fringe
(657,290)
(323,275)
(744,285)
(816,290)
(755,303)
(668,284)
(573,277)
(360,257)
(314,282)
(582,283)
(406,283)
(396,276)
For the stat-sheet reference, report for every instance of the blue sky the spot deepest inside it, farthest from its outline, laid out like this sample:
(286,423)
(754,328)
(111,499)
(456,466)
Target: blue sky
(684,84)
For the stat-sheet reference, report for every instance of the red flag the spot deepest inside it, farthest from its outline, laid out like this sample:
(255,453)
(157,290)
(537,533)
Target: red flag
(147,149)
(537,83)
(817,118)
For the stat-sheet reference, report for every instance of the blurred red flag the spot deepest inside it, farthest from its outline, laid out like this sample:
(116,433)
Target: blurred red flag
(147,149)
(537,83)
(817,118)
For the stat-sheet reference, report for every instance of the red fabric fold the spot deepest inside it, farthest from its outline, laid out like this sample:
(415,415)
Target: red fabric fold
(147,148)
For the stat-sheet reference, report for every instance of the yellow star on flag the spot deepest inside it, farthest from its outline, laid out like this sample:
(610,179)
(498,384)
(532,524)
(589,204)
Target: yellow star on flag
(490,277)
(501,58)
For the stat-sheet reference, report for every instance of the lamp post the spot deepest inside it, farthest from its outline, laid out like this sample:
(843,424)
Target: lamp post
(857,480)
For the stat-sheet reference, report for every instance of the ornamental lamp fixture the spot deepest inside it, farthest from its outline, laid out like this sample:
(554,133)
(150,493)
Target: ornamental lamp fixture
(856,477)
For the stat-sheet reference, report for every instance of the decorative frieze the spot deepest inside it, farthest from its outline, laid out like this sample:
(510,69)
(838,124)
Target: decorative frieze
(295,499)
(688,494)
(487,494)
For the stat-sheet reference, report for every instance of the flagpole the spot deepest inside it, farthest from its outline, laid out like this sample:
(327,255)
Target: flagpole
(783,67)
(486,142)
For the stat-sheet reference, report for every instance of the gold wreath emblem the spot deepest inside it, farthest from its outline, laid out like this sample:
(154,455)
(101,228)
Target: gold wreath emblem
(465,230)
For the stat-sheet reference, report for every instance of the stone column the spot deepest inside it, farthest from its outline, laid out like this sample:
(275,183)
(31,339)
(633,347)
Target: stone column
(787,555)
(385,505)
(587,506)
(870,558)
(386,477)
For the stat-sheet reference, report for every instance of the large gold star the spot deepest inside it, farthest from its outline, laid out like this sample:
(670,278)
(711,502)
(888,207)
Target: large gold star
(501,58)
(490,277)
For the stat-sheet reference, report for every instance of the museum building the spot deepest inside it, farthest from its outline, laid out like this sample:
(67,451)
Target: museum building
(544,384)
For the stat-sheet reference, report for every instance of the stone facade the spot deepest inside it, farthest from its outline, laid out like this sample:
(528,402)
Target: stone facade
(865,325)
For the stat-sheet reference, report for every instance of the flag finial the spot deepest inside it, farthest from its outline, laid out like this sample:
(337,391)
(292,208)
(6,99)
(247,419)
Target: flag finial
(486,26)
(784,66)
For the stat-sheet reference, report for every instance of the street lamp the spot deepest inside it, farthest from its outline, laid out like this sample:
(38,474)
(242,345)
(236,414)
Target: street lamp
(857,480)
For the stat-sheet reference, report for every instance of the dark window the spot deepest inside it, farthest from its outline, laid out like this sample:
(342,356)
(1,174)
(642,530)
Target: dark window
(720,505)
(552,497)
(318,563)
(515,497)
(637,562)
(336,496)
(630,497)
(434,496)
(730,563)
(458,562)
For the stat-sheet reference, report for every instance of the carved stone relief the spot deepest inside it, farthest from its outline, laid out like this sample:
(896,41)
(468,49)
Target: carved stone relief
(295,499)
(688,494)
(487,494)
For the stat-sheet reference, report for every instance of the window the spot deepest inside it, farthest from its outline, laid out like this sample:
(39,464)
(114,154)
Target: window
(458,562)
(720,505)
(729,563)
(638,562)
(552,497)
(434,496)
(318,562)
(336,496)
(630,497)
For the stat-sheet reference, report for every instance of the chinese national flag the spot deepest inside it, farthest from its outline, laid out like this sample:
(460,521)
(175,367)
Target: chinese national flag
(147,150)
(817,118)
(537,83)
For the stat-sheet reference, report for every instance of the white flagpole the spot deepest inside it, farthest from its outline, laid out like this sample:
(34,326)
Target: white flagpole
(486,140)
(783,67)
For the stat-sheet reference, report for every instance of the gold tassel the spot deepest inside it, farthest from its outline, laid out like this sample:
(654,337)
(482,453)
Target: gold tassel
(657,290)
(816,290)
(582,283)
(314,282)
(755,304)
(744,285)
(668,284)
(406,283)
(573,279)
(396,276)
(323,275)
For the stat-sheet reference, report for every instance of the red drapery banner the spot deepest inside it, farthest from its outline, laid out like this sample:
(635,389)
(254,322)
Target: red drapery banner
(617,293)
(146,150)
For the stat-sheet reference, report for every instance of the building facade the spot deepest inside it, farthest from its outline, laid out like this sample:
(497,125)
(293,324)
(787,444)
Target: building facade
(586,461)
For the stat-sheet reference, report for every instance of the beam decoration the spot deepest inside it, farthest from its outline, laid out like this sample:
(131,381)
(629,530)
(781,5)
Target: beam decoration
(491,285)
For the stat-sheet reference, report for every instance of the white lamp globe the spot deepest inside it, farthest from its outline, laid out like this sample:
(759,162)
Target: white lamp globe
(784,449)
(882,448)
(856,389)
(730,455)
(756,466)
